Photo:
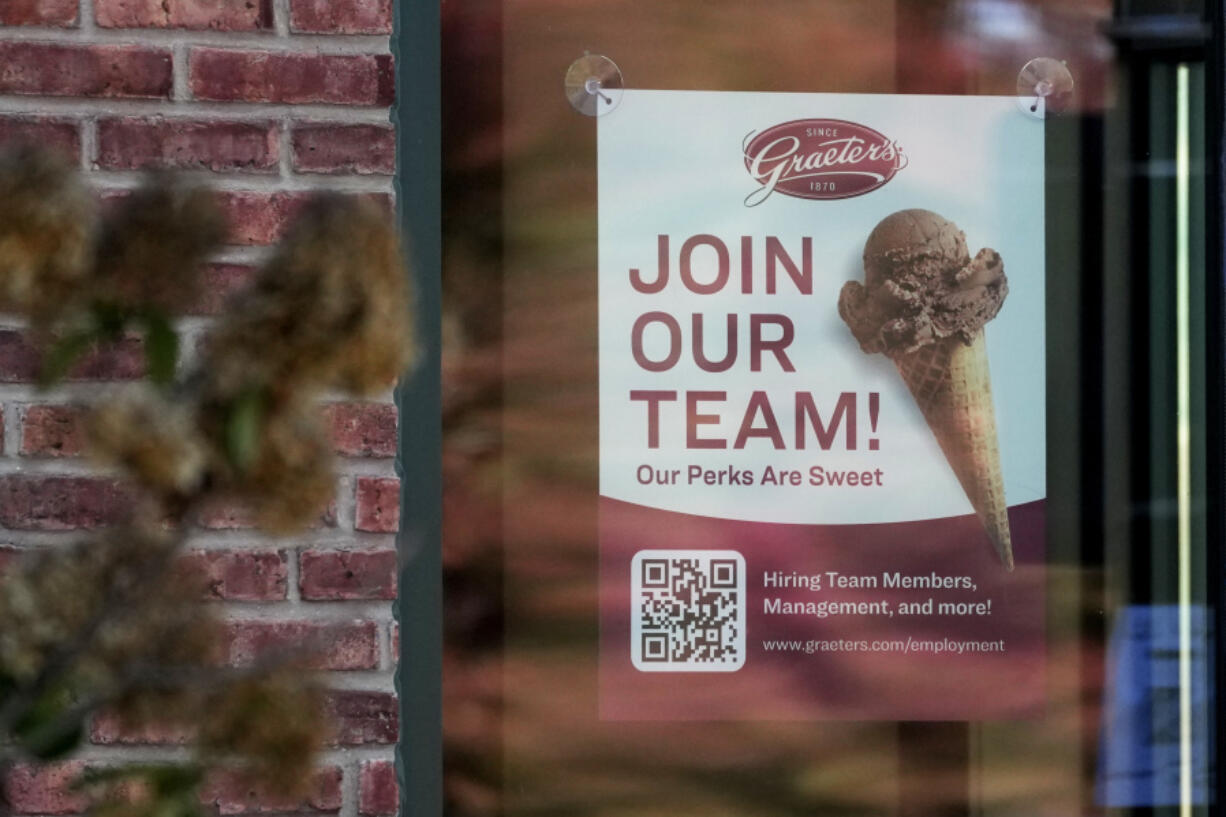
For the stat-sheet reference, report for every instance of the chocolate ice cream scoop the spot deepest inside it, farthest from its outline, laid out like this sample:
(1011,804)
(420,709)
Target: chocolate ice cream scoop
(921,285)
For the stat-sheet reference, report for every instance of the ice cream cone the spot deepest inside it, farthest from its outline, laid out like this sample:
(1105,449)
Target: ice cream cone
(950,383)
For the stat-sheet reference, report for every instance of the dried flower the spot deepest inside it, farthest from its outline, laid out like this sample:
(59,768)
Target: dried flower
(47,232)
(53,594)
(152,245)
(329,309)
(143,790)
(43,601)
(272,724)
(155,438)
(289,481)
(117,624)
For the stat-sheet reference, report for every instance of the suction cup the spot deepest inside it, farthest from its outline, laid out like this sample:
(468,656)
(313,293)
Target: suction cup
(593,85)
(1044,86)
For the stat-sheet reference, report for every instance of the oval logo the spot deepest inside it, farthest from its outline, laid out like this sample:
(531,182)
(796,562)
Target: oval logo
(819,159)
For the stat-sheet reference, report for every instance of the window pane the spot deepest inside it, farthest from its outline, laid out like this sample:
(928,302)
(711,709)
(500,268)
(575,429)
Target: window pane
(1115,670)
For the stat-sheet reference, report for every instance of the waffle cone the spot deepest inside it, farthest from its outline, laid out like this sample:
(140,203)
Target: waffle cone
(952,387)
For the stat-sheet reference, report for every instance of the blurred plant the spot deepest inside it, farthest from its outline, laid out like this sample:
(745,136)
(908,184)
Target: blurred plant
(117,627)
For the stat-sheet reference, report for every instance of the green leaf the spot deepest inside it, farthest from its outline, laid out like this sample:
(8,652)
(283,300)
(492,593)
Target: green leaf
(42,712)
(103,775)
(64,355)
(244,422)
(161,348)
(180,804)
(55,745)
(110,319)
(42,730)
(163,776)
(7,685)
(174,780)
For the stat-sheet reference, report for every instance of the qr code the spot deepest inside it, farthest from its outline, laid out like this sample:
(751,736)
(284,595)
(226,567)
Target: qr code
(688,610)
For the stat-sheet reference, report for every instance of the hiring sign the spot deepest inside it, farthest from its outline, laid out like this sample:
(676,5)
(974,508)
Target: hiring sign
(822,391)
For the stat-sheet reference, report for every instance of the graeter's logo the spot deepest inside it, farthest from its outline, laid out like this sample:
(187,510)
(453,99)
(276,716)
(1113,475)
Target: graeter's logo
(819,159)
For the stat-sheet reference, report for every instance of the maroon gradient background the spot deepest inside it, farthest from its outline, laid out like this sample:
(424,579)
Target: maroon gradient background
(843,685)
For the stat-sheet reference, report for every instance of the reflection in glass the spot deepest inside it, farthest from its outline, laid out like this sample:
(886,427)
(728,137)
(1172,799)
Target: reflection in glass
(1128,414)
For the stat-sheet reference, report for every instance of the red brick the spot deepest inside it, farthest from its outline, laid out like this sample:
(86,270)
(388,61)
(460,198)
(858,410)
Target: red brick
(330,646)
(362,429)
(363,718)
(345,575)
(45,789)
(341,16)
(20,360)
(55,69)
(221,15)
(272,76)
(220,515)
(62,13)
(378,505)
(133,144)
(230,794)
(52,431)
(242,575)
(108,729)
(258,217)
(57,134)
(355,718)
(379,794)
(361,149)
(218,283)
(61,503)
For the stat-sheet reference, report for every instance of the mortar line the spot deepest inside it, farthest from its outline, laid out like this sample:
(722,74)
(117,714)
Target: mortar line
(89,143)
(293,575)
(85,17)
(287,148)
(12,429)
(349,785)
(205,110)
(181,76)
(279,41)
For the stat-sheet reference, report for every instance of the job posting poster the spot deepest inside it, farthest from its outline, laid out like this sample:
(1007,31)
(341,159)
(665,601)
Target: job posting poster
(822,407)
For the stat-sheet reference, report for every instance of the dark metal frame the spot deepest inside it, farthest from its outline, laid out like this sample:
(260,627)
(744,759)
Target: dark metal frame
(416,45)
(1215,151)
(1152,39)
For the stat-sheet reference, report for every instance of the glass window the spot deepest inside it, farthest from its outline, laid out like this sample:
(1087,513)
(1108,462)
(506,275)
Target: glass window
(1089,171)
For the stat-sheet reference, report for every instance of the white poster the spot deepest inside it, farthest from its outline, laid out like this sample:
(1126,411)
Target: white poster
(821,352)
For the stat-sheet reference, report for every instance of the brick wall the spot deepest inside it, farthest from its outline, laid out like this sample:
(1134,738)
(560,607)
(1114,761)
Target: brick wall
(267,100)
